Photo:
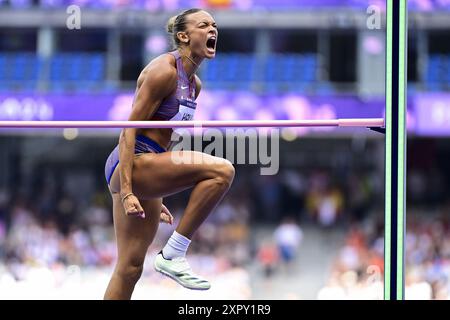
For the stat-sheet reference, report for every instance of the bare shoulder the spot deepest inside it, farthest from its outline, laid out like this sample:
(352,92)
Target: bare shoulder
(160,71)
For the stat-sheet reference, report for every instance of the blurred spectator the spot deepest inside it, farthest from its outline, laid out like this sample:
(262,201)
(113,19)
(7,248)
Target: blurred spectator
(288,237)
(324,201)
(268,258)
(269,197)
(361,259)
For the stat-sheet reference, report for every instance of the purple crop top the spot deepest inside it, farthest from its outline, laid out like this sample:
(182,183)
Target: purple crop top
(171,108)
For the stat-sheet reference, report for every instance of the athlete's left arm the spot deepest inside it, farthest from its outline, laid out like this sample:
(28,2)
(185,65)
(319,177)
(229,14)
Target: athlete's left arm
(198,86)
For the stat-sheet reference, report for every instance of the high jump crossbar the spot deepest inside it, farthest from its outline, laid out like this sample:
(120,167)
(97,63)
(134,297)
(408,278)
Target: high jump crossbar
(364,122)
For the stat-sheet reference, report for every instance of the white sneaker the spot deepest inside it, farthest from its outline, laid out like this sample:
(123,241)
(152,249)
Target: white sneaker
(179,270)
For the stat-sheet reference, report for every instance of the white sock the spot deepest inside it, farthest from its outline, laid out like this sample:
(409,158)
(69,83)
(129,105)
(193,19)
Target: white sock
(176,246)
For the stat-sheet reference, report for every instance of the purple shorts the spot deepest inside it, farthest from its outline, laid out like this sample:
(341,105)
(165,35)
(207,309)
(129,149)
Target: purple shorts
(143,145)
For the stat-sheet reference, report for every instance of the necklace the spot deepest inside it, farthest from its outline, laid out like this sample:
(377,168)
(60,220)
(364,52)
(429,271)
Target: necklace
(196,65)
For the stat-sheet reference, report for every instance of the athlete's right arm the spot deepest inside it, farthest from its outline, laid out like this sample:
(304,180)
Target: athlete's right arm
(160,81)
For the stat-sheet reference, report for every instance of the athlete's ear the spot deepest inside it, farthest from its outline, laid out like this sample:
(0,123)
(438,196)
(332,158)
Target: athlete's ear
(183,37)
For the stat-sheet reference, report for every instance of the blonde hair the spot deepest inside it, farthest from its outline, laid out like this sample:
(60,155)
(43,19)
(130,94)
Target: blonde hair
(170,24)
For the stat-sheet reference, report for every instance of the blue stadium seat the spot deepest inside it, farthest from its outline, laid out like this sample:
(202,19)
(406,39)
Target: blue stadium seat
(291,68)
(3,67)
(436,71)
(447,77)
(19,71)
(77,71)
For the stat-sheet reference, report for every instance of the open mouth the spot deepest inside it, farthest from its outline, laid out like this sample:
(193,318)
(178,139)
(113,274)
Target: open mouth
(211,43)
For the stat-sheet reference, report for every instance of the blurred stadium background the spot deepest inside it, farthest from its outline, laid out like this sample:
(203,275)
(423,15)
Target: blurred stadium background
(314,231)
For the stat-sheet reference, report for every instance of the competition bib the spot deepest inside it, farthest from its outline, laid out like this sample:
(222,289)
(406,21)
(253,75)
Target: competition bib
(186,110)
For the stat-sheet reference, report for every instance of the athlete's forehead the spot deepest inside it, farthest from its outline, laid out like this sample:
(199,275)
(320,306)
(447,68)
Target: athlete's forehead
(201,16)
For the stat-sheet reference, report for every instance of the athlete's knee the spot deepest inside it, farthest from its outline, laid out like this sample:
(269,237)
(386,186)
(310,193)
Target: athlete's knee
(225,172)
(130,271)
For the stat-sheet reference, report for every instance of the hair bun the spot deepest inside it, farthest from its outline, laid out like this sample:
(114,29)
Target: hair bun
(170,24)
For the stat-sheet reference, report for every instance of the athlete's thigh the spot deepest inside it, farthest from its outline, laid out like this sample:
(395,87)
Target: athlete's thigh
(135,234)
(163,174)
